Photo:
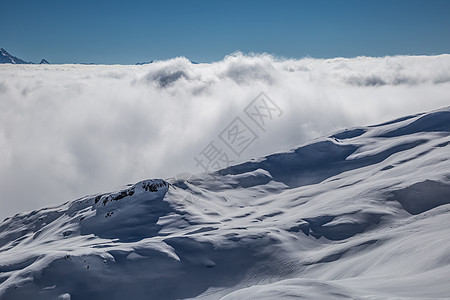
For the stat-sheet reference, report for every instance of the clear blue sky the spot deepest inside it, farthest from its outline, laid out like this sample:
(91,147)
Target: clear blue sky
(126,32)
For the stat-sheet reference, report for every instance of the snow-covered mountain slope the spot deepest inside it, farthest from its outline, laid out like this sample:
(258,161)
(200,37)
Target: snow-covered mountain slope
(6,58)
(362,214)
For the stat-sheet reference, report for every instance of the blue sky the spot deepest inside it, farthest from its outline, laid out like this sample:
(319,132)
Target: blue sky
(126,32)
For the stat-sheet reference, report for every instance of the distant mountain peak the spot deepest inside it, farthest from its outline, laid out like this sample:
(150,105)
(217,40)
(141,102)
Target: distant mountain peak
(144,63)
(44,62)
(6,58)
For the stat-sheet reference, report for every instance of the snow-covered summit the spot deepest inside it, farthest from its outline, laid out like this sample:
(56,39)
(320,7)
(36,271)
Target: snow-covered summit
(361,214)
(6,58)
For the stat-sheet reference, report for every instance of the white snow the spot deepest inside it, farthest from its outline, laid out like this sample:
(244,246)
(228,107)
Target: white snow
(363,214)
(92,128)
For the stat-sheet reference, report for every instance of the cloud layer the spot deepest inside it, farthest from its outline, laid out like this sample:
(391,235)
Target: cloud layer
(71,130)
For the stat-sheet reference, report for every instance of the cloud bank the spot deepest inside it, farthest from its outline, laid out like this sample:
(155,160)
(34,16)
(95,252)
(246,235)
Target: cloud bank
(71,130)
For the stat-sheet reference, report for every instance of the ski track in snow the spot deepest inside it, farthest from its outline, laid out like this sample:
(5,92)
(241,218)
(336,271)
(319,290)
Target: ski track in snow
(361,214)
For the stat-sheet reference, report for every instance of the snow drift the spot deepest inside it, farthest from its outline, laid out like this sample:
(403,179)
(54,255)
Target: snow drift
(361,214)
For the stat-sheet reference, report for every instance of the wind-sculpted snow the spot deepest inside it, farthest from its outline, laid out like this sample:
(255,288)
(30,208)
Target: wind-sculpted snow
(71,130)
(361,214)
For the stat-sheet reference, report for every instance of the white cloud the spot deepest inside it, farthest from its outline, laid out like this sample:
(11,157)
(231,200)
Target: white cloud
(71,130)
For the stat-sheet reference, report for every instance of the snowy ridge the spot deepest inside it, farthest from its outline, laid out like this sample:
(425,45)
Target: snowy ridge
(6,58)
(360,214)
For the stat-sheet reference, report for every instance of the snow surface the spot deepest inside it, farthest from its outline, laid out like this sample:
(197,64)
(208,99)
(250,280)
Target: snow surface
(362,214)
(92,128)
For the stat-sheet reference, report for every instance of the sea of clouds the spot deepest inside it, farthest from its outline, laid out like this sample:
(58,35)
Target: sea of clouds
(71,130)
